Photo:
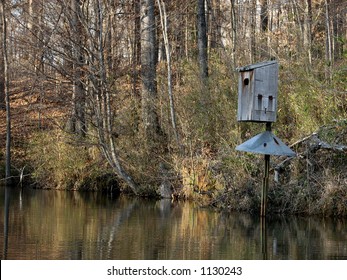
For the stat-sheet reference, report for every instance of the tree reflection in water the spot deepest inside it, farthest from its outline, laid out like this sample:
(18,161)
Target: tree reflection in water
(72,225)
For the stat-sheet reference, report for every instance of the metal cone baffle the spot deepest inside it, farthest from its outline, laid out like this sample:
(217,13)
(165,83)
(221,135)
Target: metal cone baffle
(266,143)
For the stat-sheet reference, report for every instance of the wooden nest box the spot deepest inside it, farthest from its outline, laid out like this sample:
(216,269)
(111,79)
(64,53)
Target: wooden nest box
(258,89)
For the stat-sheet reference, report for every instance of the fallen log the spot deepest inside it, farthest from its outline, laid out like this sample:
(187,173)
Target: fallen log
(314,143)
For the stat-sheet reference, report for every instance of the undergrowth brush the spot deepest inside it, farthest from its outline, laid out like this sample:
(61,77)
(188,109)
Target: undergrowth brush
(61,162)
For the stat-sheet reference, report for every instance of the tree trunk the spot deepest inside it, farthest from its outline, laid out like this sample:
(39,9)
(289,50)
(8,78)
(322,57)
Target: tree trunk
(163,20)
(215,24)
(2,82)
(7,93)
(298,24)
(264,15)
(150,118)
(104,113)
(202,40)
(2,76)
(328,43)
(308,31)
(252,18)
(2,70)
(340,13)
(234,27)
(78,92)
(137,46)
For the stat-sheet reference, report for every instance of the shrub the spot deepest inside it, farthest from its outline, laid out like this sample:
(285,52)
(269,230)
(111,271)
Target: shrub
(200,180)
(62,164)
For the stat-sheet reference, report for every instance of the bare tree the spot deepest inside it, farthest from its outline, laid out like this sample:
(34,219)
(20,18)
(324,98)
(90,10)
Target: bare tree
(136,45)
(164,24)
(339,27)
(78,94)
(252,40)
(308,30)
(80,45)
(6,90)
(102,101)
(234,27)
(214,26)
(150,119)
(2,70)
(328,42)
(202,39)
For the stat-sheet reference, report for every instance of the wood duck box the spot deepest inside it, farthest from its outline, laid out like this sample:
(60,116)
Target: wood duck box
(257,92)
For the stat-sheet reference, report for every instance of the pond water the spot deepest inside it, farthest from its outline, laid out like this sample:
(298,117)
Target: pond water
(47,224)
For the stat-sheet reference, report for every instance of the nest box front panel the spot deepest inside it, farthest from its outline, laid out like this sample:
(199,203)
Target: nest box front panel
(258,90)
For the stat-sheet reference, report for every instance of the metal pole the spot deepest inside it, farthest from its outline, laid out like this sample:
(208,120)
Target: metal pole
(265,185)
(263,238)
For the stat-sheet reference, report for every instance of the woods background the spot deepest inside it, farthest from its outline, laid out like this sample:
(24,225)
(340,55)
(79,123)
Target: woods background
(141,96)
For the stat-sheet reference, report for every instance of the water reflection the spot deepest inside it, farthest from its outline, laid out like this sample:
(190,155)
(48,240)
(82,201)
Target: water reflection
(6,221)
(42,224)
